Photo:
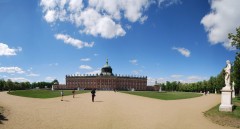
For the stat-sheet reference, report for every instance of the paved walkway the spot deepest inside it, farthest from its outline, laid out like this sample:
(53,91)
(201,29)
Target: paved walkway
(110,111)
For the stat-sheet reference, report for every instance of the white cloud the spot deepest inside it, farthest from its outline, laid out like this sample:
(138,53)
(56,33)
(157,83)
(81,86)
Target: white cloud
(50,79)
(11,70)
(143,19)
(185,52)
(97,24)
(99,17)
(168,3)
(6,51)
(134,62)
(54,64)
(85,59)
(136,72)
(75,5)
(98,71)
(128,27)
(19,79)
(33,75)
(176,76)
(151,81)
(223,18)
(85,67)
(95,54)
(74,42)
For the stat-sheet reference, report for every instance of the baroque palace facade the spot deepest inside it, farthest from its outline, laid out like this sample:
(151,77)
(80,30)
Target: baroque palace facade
(106,80)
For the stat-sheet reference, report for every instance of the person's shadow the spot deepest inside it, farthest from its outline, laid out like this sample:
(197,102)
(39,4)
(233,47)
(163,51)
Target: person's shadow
(2,118)
(98,101)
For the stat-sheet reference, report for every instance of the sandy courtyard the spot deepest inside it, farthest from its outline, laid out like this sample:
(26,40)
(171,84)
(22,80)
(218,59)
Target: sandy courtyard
(110,111)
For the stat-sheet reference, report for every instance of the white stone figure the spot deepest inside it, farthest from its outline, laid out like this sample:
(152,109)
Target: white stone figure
(226,95)
(52,88)
(160,88)
(215,91)
(233,90)
(227,75)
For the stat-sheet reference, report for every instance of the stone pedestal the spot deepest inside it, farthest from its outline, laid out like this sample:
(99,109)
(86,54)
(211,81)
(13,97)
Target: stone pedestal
(215,91)
(226,100)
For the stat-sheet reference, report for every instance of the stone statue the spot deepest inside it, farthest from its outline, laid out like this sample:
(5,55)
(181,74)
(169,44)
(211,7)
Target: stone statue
(227,74)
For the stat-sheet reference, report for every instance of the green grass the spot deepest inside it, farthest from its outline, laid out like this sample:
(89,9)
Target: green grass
(164,95)
(225,118)
(43,93)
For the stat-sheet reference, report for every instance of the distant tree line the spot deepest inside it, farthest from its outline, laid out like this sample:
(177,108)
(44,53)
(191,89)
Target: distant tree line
(206,85)
(10,85)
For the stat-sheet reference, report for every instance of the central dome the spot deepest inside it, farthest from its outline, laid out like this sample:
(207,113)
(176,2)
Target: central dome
(106,70)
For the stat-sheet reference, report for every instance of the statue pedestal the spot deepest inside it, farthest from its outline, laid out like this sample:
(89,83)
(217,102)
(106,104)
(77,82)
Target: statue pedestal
(226,100)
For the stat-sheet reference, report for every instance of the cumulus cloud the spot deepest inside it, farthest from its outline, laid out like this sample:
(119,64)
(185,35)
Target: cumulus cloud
(11,70)
(85,59)
(185,52)
(97,71)
(223,18)
(99,17)
(85,67)
(6,51)
(74,42)
(136,72)
(33,75)
(134,62)
(19,79)
(166,3)
(54,64)
(176,76)
(151,81)
(50,79)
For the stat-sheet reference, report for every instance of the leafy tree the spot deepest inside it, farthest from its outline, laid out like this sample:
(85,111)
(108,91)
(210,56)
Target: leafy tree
(236,74)
(55,81)
(235,41)
(2,84)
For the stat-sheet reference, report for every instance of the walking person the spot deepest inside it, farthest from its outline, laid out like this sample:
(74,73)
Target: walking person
(93,94)
(62,94)
(73,92)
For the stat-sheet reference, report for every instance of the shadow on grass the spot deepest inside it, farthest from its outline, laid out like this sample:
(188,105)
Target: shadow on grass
(2,118)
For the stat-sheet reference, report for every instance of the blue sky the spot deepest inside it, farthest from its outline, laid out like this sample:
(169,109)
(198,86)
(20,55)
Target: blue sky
(166,40)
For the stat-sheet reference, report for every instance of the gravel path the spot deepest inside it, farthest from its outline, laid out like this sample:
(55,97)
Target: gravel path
(110,111)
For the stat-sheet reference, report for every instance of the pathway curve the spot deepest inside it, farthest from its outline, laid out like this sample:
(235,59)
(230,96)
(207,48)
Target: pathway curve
(110,111)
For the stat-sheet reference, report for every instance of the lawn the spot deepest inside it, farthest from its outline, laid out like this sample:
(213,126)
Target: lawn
(43,93)
(225,118)
(164,95)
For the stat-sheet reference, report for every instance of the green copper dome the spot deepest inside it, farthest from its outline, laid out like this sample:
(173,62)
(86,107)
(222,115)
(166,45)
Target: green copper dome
(106,70)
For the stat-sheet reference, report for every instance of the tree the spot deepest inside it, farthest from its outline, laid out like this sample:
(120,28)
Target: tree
(55,81)
(235,41)
(236,74)
(2,84)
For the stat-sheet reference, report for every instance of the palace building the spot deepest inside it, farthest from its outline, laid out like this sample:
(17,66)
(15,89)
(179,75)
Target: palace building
(105,80)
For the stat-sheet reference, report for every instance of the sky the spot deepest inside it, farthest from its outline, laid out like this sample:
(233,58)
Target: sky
(165,40)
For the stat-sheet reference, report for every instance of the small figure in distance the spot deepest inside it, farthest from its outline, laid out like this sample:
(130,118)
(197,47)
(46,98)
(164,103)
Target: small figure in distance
(62,94)
(73,92)
(93,94)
